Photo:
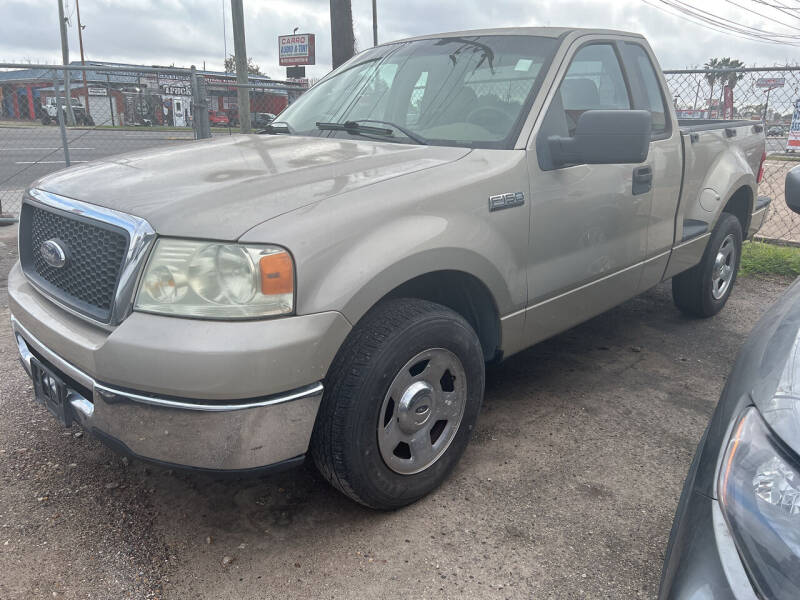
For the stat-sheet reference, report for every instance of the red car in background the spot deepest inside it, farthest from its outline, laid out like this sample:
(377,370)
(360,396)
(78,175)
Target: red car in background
(217,117)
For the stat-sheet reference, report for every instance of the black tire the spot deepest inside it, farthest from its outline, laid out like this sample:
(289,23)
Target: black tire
(693,291)
(46,119)
(88,120)
(345,444)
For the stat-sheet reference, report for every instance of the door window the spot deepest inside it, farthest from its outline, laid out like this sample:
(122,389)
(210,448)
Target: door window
(594,81)
(653,99)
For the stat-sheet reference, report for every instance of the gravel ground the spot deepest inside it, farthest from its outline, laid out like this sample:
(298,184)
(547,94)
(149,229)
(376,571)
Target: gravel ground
(567,490)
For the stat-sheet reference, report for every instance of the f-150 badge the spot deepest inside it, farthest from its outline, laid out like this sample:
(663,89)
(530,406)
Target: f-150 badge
(509,200)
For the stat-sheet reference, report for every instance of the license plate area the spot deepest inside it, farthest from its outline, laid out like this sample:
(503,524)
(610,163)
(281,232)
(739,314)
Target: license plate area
(51,391)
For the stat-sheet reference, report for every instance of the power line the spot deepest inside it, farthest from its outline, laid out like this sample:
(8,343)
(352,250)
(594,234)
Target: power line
(722,25)
(781,8)
(729,23)
(755,12)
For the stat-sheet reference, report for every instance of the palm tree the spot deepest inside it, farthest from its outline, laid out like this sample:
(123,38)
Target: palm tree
(714,65)
(711,77)
(730,79)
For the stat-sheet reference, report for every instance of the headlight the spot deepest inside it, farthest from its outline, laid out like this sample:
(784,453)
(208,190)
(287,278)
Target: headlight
(759,492)
(216,281)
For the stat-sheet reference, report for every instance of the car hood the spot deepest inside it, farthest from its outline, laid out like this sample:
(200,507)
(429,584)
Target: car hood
(219,189)
(767,371)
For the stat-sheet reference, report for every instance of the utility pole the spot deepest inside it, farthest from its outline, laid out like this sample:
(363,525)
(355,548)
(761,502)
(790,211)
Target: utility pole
(766,106)
(83,62)
(342,38)
(374,22)
(240,50)
(224,39)
(62,23)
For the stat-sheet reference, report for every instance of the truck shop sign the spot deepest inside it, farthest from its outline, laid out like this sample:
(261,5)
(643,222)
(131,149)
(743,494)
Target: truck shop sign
(175,90)
(770,82)
(296,49)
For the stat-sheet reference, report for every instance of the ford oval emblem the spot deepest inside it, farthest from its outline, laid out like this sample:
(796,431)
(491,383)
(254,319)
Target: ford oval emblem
(53,254)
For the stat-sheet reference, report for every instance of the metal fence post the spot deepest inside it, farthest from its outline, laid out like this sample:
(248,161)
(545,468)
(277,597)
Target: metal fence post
(110,99)
(60,117)
(202,129)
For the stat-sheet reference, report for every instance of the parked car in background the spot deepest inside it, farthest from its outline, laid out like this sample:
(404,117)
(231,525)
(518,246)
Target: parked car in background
(776,131)
(217,118)
(337,285)
(737,528)
(51,106)
(261,119)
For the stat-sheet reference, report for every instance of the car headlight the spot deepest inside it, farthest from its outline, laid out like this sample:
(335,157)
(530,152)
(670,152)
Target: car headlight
(215,280)
(759,492)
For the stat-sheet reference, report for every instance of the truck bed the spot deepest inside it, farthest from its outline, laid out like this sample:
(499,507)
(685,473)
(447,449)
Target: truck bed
(715,153)
(692,125)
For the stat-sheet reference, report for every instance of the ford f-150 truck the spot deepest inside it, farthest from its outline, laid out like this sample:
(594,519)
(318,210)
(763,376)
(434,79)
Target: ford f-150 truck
(335,285)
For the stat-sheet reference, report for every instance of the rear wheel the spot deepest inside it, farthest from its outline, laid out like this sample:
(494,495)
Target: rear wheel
(401,399)
(704,289)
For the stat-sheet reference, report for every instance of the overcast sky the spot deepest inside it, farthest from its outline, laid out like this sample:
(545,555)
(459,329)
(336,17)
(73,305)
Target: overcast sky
(186,32)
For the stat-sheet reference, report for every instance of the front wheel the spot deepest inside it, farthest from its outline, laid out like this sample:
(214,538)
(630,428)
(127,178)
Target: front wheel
(401,399)
(704,289)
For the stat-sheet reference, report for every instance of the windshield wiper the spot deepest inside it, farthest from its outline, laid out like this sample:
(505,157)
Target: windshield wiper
(271,128)
(357,127)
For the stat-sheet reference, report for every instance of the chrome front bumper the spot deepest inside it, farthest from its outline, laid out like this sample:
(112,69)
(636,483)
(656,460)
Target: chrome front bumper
(209,435)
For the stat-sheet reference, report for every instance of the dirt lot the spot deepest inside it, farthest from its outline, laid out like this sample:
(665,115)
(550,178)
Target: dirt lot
(568,489)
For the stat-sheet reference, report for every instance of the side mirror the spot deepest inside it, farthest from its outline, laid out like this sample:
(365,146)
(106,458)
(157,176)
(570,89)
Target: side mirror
(793,189)
(604,137)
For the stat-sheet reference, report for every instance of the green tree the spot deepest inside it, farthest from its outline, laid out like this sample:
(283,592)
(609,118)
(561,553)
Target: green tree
(713,63)
(252,67)
(729,79)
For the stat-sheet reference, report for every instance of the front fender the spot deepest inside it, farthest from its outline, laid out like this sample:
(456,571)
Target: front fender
(406,248)
(352,250)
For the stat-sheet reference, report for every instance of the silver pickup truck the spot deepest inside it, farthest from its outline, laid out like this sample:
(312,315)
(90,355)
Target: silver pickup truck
(335,285)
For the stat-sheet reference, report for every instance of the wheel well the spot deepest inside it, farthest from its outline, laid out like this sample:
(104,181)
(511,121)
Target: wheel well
(740,205)
(465,294)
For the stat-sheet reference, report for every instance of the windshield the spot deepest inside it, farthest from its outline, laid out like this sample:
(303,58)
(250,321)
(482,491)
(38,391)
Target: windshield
(462,91)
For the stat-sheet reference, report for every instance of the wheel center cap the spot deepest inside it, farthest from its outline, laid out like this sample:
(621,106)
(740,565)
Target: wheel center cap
(415,406)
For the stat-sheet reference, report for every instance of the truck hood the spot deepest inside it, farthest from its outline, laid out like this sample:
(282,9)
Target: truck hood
(219,189)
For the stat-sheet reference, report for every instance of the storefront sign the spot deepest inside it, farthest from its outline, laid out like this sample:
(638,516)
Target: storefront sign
(175,90)
(296,49)
(770,82)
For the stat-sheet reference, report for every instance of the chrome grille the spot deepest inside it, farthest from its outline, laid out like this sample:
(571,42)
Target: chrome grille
(96,253)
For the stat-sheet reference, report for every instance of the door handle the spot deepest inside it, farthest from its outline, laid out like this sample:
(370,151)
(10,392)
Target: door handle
(642,180)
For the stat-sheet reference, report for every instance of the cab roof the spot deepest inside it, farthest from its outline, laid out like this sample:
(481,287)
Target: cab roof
(551,32)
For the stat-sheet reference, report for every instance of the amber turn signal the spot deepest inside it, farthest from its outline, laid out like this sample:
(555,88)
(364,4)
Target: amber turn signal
(277,274)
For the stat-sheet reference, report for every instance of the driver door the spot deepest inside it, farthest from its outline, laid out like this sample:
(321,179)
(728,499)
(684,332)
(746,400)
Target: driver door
(588,229)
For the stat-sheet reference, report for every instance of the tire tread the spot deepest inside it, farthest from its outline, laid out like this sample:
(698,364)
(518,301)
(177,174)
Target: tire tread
(345,378)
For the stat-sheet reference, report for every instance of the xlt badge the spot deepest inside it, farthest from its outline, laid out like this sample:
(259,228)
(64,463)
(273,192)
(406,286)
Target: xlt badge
(509,200)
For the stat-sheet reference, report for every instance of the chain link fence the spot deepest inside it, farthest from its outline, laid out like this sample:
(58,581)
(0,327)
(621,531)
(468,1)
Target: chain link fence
(768,95)
(116,108)
(111,109)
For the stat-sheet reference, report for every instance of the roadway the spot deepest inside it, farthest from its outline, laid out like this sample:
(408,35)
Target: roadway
(27,153)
